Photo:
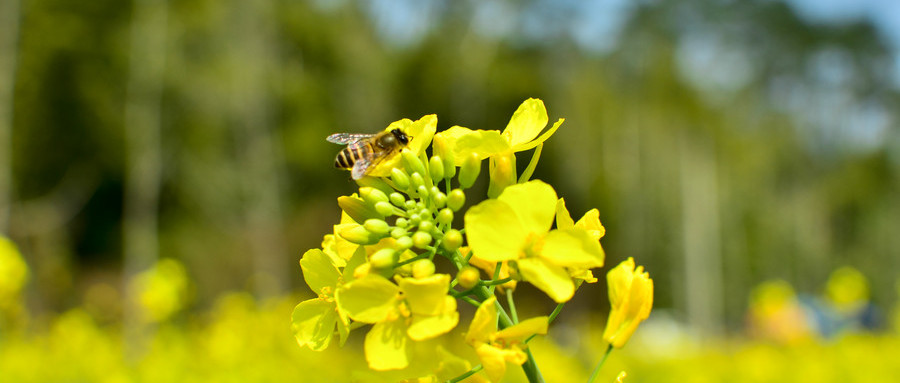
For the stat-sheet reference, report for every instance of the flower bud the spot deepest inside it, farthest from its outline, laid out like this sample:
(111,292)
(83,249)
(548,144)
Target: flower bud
(413,163)
(375,182)
(445,216)
(422,268)
(410,204)
(631,298)
(456,199)
(372,195)
(398,232)
(426,226)
(359,235)
(400,178)
(452,240)
(443,150)
(416,180)
(404,243)
(377,226)
(384,208)
(469,172)
(421,239)
(401,222)
(502,171)
(357,209)
(423,192)
(439,199)
(397,199)
(468,277)
(383,258)
(436,168)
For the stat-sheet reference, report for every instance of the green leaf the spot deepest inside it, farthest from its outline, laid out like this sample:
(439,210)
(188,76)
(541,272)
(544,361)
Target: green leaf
(527,122)
(357,209)
(572,248)
(494,231)
(369,300)
(385,346)
(551,279)
(534,202)
(318,270)
(312,323)
(425,296)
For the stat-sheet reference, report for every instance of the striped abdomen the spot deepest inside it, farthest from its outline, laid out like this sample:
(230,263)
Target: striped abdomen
(349,155)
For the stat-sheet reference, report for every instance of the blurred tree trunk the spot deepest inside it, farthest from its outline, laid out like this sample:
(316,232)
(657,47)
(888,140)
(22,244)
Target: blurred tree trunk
(701,236)
(261,160)
(143,158)
(9,37)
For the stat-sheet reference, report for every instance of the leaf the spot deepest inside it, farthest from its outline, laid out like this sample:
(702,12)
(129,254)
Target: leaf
(551,279)
(312,323)
(534,202)
(318,270)
(369,300)
(494,231)
(572,248)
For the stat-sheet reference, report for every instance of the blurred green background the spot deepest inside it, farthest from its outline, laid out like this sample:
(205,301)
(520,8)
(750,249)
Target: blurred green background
(725,143)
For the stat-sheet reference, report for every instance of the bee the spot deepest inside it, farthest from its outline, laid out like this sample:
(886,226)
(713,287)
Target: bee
(364,151)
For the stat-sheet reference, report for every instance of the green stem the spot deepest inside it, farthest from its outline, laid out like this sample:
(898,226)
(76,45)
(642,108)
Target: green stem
(495,282)
(529,170)
(469,373)
(531,369)
(496,275)
(597,369)
(471,301)
(512,306)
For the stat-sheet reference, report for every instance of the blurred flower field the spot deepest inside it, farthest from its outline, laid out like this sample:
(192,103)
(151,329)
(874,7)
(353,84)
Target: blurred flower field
(240,340)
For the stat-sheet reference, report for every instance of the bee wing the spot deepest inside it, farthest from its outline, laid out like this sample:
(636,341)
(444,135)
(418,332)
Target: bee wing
(348,138)
(361,166)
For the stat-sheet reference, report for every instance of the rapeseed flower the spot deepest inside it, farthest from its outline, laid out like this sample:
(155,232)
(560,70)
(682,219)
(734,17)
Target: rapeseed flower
(631,298)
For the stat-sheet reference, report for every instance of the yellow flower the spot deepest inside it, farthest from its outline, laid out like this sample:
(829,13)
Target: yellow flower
(495,348)
(631,298)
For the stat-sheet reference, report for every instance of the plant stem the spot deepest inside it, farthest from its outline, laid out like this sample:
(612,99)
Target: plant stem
(469,373)
(597,369)
(512,306)
(531,369)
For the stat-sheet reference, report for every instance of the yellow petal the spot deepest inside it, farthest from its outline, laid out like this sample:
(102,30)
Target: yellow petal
(385,346)
(526,123)
(572,248)
(484,323)
(494,231)
(534,202)
(551,279)
(524,329)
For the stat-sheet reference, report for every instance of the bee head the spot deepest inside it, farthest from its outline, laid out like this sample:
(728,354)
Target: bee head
(400,136)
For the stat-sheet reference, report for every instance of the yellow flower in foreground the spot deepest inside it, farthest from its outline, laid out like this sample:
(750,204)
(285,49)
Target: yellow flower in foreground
(495,348)
(631,298)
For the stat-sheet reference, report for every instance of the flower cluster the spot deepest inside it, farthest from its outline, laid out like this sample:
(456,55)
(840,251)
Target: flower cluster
(378,267)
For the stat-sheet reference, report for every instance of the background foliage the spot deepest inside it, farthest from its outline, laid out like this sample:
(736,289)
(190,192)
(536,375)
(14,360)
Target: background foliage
(724,143)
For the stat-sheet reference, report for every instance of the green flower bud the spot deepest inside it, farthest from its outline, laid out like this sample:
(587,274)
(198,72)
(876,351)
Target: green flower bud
(410,205)
(423,192)
(401,180)
(413,163)
(442,149)
(426,226)
(383,258)
(440,199)
(469,171)
(397,199)
(384,208)
(401,222)
(433,191)
(436,167)
(421,239)
(422,268)
(414,220)
(359,235)
(452,240)
(404,243)
(377,226)
(375,182)
(372,195)
(445,216)
(416,180)
(468,277)
(357,209)
(398,232)
(456,199)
